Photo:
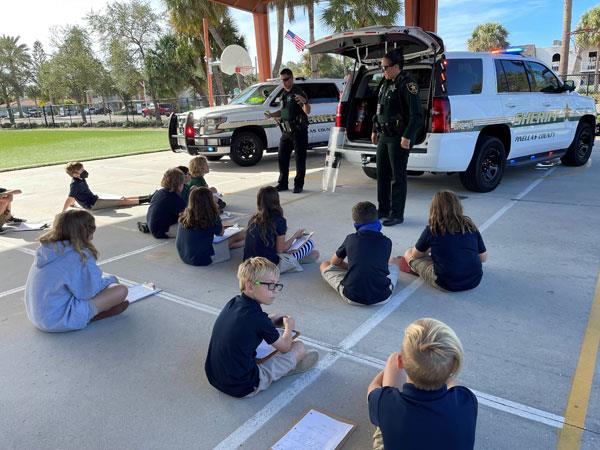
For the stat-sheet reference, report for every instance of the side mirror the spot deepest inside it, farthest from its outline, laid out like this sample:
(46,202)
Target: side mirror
(569,85)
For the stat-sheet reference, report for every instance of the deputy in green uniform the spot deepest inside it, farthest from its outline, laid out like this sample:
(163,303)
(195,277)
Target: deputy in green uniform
(397,125)
(293,122)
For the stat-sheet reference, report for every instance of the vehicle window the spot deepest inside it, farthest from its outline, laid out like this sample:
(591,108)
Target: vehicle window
(464,76)
(541,78)
(501,83)
(516,76)
(321,92)
(254,95)
(369,85)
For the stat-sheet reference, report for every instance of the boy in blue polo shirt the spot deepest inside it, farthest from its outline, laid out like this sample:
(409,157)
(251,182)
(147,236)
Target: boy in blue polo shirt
(414,402)
(370,275)
(242,325)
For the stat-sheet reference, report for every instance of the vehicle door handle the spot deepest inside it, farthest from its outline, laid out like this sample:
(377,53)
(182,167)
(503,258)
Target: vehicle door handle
(547,105)
(510,105)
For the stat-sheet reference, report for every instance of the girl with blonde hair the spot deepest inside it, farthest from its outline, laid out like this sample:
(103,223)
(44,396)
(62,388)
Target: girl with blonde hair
(65,288)
(449,253)
(199,225)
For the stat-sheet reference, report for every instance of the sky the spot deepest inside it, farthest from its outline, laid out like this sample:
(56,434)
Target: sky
(536,22)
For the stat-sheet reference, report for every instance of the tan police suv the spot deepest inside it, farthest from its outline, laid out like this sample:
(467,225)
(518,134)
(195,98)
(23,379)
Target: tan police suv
(482,111)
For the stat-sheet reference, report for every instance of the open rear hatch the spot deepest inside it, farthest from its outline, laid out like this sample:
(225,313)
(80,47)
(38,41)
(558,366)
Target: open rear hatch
(371,43)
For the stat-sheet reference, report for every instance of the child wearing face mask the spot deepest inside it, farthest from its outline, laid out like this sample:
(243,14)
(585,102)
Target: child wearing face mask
(80,192)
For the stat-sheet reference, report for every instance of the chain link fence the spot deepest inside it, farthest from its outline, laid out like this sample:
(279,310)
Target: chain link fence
(103,114)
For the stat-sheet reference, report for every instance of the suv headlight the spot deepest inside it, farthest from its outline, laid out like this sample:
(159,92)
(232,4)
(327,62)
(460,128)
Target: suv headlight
(212,123)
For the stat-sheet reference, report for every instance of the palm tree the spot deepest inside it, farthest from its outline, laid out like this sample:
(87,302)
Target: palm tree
(280,7)
(589,37)
(343,15)
(487,36)
(566,36)
(15,62)
(186,17)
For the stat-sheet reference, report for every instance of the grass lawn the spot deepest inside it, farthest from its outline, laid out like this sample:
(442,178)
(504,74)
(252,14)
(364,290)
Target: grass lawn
(30,148)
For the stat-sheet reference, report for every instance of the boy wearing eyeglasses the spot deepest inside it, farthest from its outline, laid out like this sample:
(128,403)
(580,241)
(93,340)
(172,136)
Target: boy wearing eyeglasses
(242,325)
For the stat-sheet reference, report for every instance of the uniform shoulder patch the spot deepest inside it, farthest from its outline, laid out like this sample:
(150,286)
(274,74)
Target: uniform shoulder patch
(412,87)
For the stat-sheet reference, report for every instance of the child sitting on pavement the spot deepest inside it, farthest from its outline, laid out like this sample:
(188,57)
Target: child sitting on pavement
(449,253)
(6,198)
(165,207)
(65,288)
(198,168)
(370,276)
(198,225)
(80,192)
(414,403)
(242,325)
(265,235)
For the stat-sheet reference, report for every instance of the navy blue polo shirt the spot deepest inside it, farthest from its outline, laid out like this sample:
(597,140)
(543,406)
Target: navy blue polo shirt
(368,255)
(255,246)
(81,192)
(455,258)
(195,245)
(230,362)
(163,212)
(415,419)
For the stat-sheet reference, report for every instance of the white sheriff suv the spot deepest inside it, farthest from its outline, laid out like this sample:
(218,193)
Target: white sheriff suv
(241,130)
(482,111)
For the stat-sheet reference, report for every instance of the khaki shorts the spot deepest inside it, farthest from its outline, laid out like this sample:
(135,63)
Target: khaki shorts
(424,268)
(274,368)
(102,203)
(334,275)
(4,217)
(221,251)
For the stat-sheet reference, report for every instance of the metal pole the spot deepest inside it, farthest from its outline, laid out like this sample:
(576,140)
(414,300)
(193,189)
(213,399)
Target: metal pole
(211,100)
(45,118)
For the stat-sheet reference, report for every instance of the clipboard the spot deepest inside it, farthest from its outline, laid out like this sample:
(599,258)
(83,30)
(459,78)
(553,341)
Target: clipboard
(316,430)
(300,242)
(268,350)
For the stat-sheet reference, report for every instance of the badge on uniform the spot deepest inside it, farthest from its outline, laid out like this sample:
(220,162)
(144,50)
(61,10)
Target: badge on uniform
(412,87)
(378,108)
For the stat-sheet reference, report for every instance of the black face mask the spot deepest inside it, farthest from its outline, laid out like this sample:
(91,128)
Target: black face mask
(84,174)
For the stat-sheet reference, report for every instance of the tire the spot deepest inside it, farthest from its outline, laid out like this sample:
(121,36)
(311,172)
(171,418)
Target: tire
(487,166)
(173,130)
(580,149)
(371,172)
(214,157)
(246,149)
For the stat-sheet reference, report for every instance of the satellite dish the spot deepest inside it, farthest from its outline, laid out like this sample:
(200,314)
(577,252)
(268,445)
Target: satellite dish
(235,59)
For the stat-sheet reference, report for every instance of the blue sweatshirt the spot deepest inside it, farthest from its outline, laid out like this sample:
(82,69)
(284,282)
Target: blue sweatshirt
(60,286)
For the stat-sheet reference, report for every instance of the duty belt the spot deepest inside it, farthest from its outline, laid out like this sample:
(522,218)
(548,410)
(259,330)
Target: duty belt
(289,126)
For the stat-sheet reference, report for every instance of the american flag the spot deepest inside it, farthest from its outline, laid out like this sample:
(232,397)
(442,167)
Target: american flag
(297,40)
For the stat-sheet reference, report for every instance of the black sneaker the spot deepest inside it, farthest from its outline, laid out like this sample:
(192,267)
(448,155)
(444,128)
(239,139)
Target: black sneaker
(297,190)
(281,188)
(143,227)
(14,219)
(391,221)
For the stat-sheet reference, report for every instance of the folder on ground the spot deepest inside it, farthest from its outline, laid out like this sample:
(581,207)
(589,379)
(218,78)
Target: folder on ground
(141,291)
(229,231)
(264,351)
(316,430)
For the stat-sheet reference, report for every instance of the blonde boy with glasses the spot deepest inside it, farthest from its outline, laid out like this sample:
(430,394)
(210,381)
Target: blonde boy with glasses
(242,325)
(414,403)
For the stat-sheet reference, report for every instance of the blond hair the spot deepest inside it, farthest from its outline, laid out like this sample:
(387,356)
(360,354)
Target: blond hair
(75,226)
(253,269)
(196,165)
(446,215)
(73,167)
(172,179)
(431,353)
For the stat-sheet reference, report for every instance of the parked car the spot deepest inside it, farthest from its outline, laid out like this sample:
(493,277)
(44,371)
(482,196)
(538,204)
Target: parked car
(164,108)
(33,112)
(241,130)
(482,111)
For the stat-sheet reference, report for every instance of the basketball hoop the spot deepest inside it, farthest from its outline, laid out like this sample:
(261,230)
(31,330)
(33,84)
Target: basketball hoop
(244,70)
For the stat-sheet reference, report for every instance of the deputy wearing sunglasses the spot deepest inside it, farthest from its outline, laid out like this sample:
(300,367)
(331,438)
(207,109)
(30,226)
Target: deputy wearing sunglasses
(293,122)
(396,126)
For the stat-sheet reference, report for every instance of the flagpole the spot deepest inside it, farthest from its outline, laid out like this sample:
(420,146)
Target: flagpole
(211,99)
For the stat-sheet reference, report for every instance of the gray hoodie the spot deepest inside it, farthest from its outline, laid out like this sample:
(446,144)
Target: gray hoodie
(60,287)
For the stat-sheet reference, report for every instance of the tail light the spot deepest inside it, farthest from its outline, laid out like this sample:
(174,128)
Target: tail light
(338,115)
(189,131)
(440,115)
